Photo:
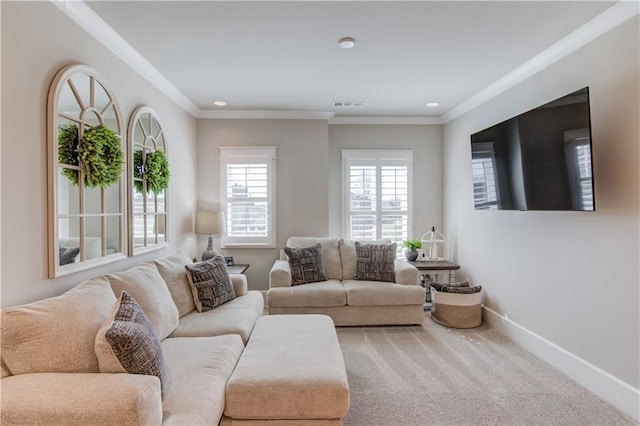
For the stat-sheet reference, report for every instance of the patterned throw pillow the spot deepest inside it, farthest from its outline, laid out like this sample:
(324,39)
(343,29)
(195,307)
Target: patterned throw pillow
(67,254)
(210,283)
(127,342)
(307,265)
(375,262)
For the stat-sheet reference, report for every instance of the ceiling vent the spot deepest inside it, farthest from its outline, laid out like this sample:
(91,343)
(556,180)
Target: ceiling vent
(348,104)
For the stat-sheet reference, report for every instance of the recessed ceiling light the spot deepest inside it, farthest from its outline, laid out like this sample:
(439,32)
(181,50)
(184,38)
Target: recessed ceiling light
(346,42)
(433,104)
(220,103)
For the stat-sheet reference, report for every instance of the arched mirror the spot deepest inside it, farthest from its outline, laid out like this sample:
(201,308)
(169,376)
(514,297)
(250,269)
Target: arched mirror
(148,182)
(86,183)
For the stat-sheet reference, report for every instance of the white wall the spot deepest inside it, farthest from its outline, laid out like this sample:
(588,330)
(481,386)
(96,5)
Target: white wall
(301,181)
(37,41)
(571,278)
(424,140)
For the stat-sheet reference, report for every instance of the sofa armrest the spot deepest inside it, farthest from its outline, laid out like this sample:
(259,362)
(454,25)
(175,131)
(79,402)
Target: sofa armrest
(280,274)
(406,273)
(239,282)
(81,398)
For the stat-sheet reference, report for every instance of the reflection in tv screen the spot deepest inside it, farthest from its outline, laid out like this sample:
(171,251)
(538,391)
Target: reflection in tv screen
(539,160)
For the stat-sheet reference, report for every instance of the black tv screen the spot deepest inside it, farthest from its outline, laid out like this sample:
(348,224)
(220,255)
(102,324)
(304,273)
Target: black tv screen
(539,160)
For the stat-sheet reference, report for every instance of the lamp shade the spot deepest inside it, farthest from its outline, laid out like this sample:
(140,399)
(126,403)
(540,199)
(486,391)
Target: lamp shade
(207,223)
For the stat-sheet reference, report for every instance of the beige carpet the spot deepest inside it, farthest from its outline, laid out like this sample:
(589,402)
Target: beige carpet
(432,375)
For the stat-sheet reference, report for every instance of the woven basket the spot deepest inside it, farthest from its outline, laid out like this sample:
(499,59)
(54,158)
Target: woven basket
(456,310)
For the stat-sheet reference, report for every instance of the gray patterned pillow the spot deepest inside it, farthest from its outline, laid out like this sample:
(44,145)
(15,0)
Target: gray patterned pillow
(375,262)
(307,265)
(127,342)
(210,283)
(67,254)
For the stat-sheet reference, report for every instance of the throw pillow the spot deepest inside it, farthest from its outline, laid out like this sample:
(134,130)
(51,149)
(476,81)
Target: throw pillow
(375,262)
(307,265)
(171,268)
(127,342)
(67,254)
(145,284)
(210,283)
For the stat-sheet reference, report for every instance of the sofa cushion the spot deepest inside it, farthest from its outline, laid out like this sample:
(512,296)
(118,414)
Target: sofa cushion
(199,369)
(210,283)
(235,317)
(325,293)
(306,264)
(127,342)
(145,284)
(57,334)
(376,293)
(375,262)
(171,268)
(348,257)
(330,253)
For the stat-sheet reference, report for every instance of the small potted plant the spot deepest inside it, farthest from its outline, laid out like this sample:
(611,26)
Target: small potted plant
(412,245)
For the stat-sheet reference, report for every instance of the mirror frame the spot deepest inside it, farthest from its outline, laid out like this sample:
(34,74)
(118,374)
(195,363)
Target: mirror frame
(59,82)
(135,120)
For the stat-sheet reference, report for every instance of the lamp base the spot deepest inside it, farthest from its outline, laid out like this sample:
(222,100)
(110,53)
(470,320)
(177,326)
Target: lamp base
(210,252)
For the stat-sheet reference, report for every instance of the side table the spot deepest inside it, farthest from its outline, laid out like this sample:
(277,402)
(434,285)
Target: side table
(433,267)
(238,268)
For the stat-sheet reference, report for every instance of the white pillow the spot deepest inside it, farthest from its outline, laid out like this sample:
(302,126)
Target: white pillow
(172,270)
(145,284)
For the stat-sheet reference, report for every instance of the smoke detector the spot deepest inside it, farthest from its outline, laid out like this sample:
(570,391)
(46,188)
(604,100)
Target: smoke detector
(346,42)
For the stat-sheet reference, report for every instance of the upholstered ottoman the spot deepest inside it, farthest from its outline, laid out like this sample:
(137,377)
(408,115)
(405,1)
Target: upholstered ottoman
(290,373)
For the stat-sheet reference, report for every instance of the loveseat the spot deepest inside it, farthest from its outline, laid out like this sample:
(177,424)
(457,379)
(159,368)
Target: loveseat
(51,373)
(347,300)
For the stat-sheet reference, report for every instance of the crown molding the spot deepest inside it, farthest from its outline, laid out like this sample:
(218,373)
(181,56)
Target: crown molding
(88,20)
(265,115)
(385,120)
(614,16)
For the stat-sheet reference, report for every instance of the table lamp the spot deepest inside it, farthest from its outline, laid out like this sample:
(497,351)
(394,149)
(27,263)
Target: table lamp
(207,223)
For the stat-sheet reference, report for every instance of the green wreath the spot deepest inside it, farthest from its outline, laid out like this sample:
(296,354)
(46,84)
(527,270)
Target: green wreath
(98,154)
(155,171)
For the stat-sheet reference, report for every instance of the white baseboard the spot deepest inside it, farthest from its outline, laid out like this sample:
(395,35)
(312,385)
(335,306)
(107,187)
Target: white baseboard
(608,387)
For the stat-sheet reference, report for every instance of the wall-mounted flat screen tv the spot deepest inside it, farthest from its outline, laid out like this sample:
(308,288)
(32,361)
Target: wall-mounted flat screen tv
(539,160)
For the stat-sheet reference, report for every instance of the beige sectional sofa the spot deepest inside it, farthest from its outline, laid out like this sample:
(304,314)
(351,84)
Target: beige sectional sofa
(346,300)
(50,371)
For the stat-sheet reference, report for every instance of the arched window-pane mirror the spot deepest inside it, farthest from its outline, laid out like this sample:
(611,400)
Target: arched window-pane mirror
(86,183)
(148,180)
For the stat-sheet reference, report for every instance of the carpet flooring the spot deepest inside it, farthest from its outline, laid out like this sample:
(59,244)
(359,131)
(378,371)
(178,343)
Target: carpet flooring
(433,375)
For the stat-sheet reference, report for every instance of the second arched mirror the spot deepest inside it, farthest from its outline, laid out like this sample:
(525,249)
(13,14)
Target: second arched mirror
(148,182)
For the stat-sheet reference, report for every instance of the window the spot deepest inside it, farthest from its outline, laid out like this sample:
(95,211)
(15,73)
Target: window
(485,190)
(377,195)
(247,193)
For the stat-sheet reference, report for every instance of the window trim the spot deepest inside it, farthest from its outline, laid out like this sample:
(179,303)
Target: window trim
(249,154)
(378,158)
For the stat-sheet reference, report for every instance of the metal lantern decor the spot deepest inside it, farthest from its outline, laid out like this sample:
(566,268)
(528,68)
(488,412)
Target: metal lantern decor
(433,244)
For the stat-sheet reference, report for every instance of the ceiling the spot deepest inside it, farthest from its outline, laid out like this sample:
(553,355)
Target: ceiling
(284,56)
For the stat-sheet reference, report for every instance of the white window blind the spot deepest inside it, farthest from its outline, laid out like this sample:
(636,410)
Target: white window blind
(247,196)
(485,191)
(377,195)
